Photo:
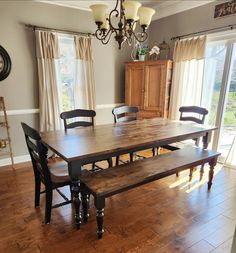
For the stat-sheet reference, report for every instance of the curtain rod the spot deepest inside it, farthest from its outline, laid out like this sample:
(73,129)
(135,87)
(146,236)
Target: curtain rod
(223,28)
(57,30)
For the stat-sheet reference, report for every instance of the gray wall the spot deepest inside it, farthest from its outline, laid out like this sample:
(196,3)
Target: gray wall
(20,89)
(194,20)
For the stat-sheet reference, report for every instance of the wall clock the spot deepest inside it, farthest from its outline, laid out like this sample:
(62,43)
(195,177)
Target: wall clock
(5,64)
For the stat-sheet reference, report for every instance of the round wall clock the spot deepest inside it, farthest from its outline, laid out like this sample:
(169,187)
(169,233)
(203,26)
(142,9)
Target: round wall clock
(5,64)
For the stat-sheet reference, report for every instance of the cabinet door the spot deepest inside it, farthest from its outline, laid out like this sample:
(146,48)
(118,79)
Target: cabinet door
(155,76)
(134,85)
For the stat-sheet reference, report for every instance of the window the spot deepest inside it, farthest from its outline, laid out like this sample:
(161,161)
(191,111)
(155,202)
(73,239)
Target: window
(66,72)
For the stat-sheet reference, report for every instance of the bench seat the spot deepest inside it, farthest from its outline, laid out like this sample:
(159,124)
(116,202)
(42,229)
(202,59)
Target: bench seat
(118,179)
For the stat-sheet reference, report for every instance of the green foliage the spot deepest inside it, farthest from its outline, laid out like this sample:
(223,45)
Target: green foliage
(143,51)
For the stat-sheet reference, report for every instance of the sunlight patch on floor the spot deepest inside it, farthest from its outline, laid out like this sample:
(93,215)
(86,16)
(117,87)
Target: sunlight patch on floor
(183,182)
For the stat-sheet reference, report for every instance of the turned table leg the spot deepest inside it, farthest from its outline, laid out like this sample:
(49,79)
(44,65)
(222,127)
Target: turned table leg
(85,203)
(76,200)
(100,204)
(75,172)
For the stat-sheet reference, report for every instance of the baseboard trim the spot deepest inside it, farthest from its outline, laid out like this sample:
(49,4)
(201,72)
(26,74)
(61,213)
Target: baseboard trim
(108,106)
(17,159)
(35,111)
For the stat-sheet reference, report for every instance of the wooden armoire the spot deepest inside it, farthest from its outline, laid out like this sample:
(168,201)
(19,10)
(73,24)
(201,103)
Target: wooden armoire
(147,85)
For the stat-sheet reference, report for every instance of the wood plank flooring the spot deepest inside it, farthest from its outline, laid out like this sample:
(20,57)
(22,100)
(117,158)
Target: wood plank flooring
(170,215)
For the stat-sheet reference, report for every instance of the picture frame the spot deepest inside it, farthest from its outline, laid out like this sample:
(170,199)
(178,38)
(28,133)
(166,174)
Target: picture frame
(225,9)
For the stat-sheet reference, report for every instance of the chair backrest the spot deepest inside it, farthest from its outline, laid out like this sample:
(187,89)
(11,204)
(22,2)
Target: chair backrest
(125,113)
(38,153)
(199,111)
(77,114)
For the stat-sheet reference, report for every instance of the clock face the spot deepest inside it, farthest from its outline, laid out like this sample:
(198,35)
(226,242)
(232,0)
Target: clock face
(5,64)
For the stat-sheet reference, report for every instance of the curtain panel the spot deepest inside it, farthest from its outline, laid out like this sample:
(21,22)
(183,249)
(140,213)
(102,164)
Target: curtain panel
(190,49)
(187,75)
(47,54)
(85,82)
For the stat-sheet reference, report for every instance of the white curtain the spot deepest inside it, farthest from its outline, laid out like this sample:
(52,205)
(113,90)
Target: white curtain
(49,100)
(230,160)
(188,74)
(84,89)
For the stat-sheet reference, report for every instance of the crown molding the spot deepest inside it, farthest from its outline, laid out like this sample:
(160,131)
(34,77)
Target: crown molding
(168,8)
(163,8)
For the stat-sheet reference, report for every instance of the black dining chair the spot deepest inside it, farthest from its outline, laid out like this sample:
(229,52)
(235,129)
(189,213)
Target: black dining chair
(125,114)
(52,174)
(194,114)
(72,119)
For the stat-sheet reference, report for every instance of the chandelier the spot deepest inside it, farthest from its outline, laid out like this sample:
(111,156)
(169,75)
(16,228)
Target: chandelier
(125,15)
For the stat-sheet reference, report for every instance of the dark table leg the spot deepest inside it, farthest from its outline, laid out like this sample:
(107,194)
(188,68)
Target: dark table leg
(76,200)
(85,203)
(75,172)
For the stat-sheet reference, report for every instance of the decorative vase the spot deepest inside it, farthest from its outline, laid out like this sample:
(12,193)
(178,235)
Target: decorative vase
(141,57)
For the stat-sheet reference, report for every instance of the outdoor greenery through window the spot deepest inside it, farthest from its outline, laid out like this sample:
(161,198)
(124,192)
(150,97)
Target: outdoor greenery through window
(67,72)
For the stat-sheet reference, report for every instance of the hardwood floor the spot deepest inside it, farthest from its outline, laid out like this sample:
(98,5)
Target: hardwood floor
(170,215)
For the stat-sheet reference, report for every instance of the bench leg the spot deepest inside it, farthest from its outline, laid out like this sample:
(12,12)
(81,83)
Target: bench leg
(201,171)
(211,172)
(191,174)
(100,205)
(85,203)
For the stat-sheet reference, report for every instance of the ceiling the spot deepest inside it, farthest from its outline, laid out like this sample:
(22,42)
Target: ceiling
(163,8)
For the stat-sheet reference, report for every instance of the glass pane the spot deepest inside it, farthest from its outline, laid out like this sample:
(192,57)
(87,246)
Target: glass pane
(228,130)
(212,80)
(67,72)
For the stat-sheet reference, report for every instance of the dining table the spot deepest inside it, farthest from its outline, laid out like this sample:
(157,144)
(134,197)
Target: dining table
(80,146)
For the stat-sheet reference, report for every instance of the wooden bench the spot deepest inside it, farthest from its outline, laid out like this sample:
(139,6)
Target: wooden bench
(118,179)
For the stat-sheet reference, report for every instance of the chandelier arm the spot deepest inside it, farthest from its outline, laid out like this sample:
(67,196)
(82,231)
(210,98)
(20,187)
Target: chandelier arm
(99,34)
(144,36)
(106,39)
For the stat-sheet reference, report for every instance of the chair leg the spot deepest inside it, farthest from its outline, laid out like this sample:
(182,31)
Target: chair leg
(201,171)
(109,162)
(93,166)
(100,205)
(131,157)
(117,160)
(48,207)
(37,190)
(177,174)
(153,152)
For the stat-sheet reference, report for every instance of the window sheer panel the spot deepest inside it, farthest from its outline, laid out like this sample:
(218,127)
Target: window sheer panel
(76,73)
(186,85)
(188,74)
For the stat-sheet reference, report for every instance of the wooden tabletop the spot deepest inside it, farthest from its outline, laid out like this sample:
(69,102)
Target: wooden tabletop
(102,141)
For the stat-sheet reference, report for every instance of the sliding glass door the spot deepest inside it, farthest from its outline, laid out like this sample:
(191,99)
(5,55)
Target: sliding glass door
(228,126)
(219,90)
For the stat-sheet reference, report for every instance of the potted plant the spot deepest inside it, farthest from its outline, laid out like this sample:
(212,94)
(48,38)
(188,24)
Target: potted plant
(141,52)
